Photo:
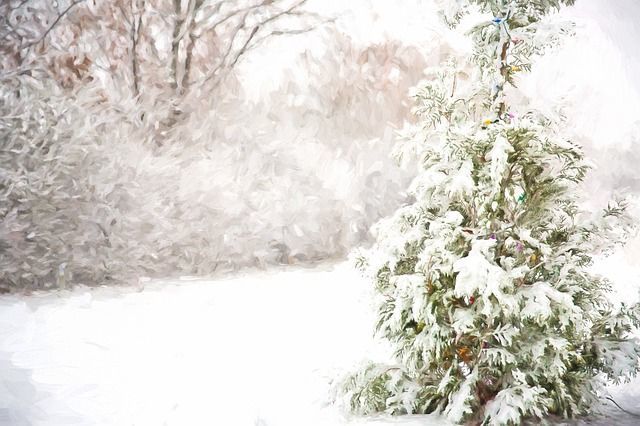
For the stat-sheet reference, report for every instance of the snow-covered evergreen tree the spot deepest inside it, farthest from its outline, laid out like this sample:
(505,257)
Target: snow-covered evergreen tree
(483,283)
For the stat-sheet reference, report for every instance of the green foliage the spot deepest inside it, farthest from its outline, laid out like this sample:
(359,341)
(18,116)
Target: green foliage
(482,285)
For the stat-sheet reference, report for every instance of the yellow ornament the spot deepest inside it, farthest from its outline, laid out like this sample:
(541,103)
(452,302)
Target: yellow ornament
(534,258)
(419,327)
(487,122)
(516,68)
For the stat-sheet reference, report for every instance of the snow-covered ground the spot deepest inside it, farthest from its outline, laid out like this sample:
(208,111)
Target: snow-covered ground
(257,349)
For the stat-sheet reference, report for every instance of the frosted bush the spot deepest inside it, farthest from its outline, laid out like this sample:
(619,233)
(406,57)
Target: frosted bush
(98,186)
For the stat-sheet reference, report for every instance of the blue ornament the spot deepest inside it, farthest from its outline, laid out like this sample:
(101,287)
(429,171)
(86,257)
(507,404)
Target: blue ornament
(497,21)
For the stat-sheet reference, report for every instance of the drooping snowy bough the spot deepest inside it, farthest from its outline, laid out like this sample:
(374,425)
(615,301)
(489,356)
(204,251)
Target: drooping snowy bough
(482,282)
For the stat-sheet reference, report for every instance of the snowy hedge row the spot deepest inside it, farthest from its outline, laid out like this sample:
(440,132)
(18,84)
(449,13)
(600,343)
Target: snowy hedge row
(95,187)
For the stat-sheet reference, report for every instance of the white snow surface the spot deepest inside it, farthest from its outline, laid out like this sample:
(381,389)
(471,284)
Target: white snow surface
(257,349)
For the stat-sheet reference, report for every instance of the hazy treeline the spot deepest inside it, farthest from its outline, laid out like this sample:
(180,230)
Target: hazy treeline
(130,145)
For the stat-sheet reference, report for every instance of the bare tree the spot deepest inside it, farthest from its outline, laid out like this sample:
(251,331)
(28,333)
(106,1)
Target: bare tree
(235,27)
(24,25)
(134,24)
(208,38)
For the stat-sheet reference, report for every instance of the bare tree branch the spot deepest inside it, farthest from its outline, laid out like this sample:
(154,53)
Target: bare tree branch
(22,3)
(244,46)
(291,10)
(231,56)
(12,29)
(186,78)
(261,24)
(53,25)
(215,10)
(175,44)
(237,31)
(120,9)
(277,33)
(135,37)
(236,12)
(186,22)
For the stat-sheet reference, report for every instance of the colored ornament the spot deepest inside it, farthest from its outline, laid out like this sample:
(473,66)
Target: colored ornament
(419,327)
(472,300)
(497,21)
(464,353)
(485,345)
(516,68)
(519,247)
(534,258)
(522,197)
(492,236)
(487,122)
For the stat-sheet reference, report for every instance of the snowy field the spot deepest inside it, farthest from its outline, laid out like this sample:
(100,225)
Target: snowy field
(258,349)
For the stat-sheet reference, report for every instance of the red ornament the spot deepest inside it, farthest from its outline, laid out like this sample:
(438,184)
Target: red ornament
(471,300)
